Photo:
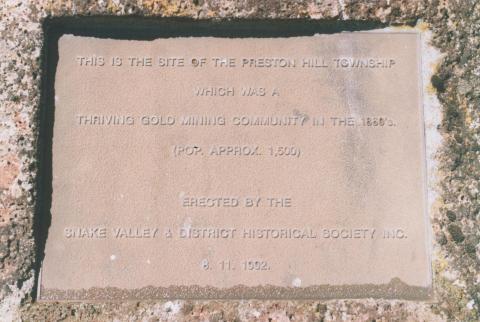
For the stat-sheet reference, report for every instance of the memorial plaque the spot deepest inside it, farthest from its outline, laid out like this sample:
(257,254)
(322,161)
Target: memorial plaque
(238,168)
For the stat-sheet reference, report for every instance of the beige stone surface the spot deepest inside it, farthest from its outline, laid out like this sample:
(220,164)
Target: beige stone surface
(359,172)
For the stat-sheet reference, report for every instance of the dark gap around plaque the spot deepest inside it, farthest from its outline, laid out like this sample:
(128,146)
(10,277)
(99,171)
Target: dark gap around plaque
(139,28)
(149,28)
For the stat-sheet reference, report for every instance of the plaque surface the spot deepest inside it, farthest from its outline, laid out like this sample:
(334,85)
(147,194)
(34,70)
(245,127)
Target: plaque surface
(238,168)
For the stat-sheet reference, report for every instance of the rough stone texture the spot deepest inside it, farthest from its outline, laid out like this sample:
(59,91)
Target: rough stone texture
(456,226)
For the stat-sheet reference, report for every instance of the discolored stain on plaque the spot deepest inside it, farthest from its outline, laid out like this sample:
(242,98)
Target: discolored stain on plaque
(238,168)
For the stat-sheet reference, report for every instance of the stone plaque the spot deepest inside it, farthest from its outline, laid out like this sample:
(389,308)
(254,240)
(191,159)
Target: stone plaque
(238,168)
